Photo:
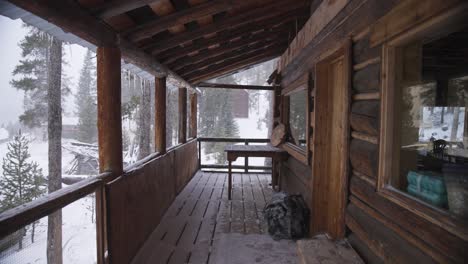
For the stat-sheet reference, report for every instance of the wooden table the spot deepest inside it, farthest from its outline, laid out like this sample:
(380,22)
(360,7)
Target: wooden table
(268,151)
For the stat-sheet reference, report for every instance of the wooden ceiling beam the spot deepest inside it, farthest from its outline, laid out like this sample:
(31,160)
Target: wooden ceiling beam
(71,17)
(116,7)
(251,16)
(155,26)
(232,66)
(232,46)
(235,86)
(226,36)
(215,61)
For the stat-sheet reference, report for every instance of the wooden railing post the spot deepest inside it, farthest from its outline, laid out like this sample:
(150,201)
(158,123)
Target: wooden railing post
(182,115)
(193,115)
(160,115)
(110,134)
(246,159)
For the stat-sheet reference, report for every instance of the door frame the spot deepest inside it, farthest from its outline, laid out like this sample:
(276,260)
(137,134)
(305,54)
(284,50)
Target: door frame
(329,197)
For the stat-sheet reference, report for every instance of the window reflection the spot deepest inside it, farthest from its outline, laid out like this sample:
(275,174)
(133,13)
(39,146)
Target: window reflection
(297,118)
(432,122)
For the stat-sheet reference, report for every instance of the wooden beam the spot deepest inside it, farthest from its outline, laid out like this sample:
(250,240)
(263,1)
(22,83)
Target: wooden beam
(232,55)
(109,115)
(182,115)
(193,115)
(157,25)
(235,86)
(71,17)
(229,47)
(232,66)
(160,115)
(227,23)
(117,7)
(228,35)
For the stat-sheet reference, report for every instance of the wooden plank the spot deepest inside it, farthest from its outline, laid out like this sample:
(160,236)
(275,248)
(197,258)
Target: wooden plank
(160,115)
(364,157)
(367,79)
(366,63)
(405,16)
(235,86)
(437,236)
(365,137)
(182,115)
(324,13)
(157,25)
(366,96)
(250,16)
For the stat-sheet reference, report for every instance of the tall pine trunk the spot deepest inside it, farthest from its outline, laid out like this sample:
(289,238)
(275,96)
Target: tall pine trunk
(456,116)
(54,129)
(145,120)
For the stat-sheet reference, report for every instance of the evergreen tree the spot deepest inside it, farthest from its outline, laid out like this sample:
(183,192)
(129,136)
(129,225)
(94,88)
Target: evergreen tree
(22,179)
(86,101)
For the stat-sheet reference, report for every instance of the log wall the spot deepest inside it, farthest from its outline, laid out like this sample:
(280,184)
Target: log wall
(138,199)
(380,229)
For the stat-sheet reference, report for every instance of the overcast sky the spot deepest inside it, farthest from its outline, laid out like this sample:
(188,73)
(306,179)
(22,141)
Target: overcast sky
(11,100)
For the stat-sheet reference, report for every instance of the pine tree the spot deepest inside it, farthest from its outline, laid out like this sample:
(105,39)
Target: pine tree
(86,101)
(22,179)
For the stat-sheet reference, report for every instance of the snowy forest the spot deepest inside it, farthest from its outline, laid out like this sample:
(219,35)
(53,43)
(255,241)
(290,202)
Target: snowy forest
(52,143)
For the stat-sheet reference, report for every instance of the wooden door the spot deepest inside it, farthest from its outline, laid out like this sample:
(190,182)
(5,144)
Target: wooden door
(331,141)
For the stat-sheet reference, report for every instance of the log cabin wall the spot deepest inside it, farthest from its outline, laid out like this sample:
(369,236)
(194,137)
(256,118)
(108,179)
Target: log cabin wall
(381,230)
(138,199)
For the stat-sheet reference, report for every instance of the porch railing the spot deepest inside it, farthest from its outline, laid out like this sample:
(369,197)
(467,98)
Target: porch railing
(246,167)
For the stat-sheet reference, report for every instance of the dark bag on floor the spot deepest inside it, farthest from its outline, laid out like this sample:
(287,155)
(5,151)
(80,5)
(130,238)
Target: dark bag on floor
(287,216)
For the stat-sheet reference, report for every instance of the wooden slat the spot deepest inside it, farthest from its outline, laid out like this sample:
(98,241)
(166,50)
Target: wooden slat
(155,26)
(231,22)
(14,219)
(235,86)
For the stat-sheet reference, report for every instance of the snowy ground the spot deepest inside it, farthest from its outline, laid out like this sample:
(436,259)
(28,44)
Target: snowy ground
(79,231)
(432,127)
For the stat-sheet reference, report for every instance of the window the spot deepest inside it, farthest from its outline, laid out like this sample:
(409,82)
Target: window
(295,115)
(424,139)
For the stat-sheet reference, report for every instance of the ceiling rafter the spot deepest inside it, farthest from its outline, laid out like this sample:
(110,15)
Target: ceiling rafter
(230,67)
(232,46)
(155,26)
(214,61)
(256,14)
(228,35)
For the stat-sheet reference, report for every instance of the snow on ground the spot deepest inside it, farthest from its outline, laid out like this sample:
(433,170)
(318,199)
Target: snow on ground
(79,232)
(3,134)
(432,126)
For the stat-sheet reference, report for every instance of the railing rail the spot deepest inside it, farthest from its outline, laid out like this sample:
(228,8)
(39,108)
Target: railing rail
(246,167)
(15,218)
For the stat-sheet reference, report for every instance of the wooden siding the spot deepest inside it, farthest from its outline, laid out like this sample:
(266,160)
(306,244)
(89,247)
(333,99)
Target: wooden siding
(381,230)
(137,200)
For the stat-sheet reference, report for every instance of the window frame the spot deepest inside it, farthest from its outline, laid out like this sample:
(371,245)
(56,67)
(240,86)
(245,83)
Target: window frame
(435,215)
(301,83)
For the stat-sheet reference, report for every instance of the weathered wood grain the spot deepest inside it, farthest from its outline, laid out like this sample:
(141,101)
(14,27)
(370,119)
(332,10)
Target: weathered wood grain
(364,157)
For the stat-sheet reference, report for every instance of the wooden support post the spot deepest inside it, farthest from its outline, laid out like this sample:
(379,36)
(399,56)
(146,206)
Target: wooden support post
(246,160)
(110,133)
(193,115)
(160,116)
(182,115)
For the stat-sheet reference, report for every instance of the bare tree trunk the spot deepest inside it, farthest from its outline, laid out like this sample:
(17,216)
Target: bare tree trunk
(145,120)
(54,95)
(456,114)
(33,231)
(465,129)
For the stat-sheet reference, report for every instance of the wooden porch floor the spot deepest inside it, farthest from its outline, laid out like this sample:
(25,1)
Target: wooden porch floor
(201,214)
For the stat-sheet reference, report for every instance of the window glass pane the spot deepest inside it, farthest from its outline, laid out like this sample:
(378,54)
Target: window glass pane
(431,121)
(172,116)
(297,118)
